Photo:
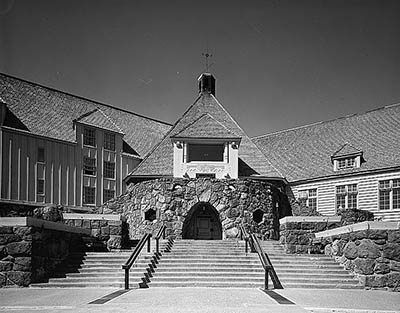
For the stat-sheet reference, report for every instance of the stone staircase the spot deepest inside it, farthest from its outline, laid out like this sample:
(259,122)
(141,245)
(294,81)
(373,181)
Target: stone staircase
(208,263)
(101,270)
(308,270)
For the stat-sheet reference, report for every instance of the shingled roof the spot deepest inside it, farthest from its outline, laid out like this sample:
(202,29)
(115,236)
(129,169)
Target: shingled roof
(51,113)
(252,162)
(206,127)
(304,153)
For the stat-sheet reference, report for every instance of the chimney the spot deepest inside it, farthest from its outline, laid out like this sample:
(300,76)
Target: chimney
(207,83)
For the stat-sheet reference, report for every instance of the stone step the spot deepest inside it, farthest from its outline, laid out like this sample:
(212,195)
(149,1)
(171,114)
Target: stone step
(212,274)
(211,260)
(322,286)
(103,280)
(221,270)
(117,285)
(206,279)
(210,284)
(210,257)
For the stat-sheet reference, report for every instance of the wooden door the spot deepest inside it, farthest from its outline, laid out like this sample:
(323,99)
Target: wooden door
(203,227)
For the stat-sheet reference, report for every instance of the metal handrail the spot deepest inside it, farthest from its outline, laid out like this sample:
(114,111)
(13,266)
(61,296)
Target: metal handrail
(255,246)
(160,233)
(134,256)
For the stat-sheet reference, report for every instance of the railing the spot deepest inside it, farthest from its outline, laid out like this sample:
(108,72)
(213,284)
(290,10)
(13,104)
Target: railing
(161,233)
(135,254)
(255,246)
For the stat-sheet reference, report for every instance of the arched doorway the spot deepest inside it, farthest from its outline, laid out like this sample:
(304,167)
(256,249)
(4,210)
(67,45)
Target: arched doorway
(202,222)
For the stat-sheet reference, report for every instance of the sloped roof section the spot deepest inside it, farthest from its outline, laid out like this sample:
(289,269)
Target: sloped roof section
(252,162)
(51,113)
(206,127)
(304,153)
(346,150)
(97,118)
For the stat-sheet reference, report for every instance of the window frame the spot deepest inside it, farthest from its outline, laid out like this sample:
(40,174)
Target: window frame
(41,158)
(105,191)
(38,182)
(107,170)
(89,167)
(86,132)
(108,144)
(392,191)
(349,193)
(192,144)
(85,195)
(307,197)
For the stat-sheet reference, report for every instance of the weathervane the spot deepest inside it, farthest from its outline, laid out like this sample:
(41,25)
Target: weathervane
(206,56)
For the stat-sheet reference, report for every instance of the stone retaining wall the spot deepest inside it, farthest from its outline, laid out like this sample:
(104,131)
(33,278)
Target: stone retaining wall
(297,232)
(234,200)
(31,249)
(369,249)
(106,229)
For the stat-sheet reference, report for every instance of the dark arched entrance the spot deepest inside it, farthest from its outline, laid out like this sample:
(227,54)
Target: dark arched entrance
(202,222)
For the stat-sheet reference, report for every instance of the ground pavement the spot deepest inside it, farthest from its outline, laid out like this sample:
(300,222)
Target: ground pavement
(203,300)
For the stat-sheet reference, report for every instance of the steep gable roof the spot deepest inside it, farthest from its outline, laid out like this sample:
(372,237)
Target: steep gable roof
(48,112)
(159,162)
(98,118)
(206,127)
(346,150)
(304,153)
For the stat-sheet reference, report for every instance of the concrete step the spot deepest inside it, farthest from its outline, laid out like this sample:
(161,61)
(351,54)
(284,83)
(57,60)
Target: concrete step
(209,284)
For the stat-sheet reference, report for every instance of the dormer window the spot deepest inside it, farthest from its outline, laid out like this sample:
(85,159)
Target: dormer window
(205,152)
(347,157)
(89,137)
(346,163)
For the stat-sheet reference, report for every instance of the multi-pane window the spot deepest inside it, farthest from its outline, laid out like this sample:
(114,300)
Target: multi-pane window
(204,152)
(109,141)
(109,169)
(89,195)
(89,137)
(40,186)
(40,155)
(389,194)
(89,166)
(309,198)
(108,194)
(346,163)
(346,196)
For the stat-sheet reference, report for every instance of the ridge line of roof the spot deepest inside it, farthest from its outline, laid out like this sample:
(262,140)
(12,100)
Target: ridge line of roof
(85,99)
(257,147)
(327,121)
(162,139)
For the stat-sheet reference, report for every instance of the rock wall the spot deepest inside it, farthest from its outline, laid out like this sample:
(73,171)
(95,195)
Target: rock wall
(105,234)
(171,199)
(297,232)
(352,216)
(31,254)
(372,254)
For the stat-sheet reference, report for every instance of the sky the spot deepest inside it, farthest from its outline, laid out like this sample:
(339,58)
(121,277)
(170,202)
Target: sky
(278,64)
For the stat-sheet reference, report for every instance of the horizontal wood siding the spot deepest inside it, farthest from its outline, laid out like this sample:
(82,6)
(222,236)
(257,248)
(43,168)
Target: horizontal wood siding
(367,194)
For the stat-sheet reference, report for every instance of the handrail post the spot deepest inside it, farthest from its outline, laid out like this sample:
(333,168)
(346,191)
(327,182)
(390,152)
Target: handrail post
(247,243)
(266,279)
(148,244)
(126,278)
(157,245)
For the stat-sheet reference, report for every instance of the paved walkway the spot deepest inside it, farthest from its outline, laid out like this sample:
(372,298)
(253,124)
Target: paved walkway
(203,300)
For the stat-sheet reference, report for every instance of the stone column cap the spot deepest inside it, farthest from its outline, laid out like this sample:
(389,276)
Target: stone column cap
(298,219)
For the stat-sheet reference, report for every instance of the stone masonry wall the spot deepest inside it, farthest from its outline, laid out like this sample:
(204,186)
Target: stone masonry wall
(234,200)
(372,254)
(297,232)
(30,254)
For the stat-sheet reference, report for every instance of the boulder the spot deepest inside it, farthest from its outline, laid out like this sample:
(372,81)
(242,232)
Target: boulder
(19,278)
(392,251)
(114,242)
(22,247)
(350,250)
(22,264)
(232,232)
(368,249)
(382,268)
(364,266)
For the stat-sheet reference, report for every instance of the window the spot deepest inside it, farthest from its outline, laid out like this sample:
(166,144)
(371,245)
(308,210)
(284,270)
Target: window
(40,186)
(109,141)
(258,216)
(346,163)
(108,194)
(346,196)
(89,166)
(150,215)
(109,169)
(89,195)
(199,152)
(199,175)
(389,194)
(309,198)
(89,137)
(40,155)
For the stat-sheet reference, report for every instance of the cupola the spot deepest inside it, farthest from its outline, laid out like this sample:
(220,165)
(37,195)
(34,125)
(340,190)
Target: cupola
(207,83)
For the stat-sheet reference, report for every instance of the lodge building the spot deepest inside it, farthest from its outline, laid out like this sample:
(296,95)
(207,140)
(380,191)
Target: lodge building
(57,148)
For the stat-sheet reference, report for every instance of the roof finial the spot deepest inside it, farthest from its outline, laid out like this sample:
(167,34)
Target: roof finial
(206,56)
